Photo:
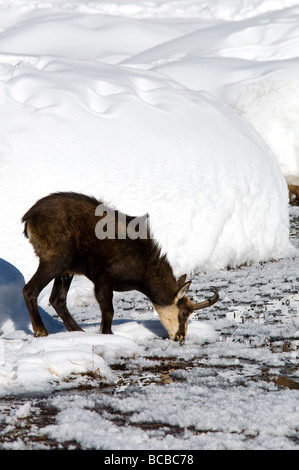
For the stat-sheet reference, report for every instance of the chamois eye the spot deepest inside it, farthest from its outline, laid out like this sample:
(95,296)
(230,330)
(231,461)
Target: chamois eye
(185,314)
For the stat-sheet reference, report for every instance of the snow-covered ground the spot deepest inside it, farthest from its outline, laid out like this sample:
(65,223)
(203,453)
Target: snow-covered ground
(187,110)
(233,385)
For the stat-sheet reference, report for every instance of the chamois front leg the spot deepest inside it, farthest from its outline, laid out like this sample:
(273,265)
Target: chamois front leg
(104,296)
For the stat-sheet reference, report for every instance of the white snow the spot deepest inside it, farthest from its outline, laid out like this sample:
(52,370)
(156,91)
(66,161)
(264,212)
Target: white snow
(187,110)
(142,112)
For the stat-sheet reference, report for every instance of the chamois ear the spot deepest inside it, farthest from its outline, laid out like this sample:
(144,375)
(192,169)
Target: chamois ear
(181,281)
(182,291)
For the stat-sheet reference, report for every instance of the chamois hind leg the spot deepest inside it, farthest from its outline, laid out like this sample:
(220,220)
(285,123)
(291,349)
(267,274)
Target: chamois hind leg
(58,301)
(31,291)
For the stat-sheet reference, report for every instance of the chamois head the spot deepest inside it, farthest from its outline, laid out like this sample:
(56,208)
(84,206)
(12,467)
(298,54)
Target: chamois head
(174,317)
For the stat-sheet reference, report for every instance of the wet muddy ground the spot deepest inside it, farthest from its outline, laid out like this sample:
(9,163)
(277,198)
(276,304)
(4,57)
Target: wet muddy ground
(256,360)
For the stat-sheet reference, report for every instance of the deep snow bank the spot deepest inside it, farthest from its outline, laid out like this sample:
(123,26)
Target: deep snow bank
(250,64)
(102,98)
(213,190)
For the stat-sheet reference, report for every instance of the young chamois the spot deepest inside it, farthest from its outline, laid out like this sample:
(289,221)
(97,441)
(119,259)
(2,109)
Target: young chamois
(62,228)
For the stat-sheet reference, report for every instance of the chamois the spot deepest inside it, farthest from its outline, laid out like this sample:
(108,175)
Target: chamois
(62,230)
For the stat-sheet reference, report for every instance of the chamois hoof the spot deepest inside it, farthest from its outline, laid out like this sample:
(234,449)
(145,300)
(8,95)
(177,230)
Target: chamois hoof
(40,333)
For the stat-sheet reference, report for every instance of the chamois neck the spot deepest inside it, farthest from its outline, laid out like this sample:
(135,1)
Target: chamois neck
(160,283)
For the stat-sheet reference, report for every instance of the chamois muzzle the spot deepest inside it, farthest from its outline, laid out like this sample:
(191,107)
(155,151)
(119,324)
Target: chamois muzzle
(183,316)
(180,339)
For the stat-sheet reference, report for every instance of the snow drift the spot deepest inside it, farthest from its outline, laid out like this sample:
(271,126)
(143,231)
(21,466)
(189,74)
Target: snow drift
(102,104)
